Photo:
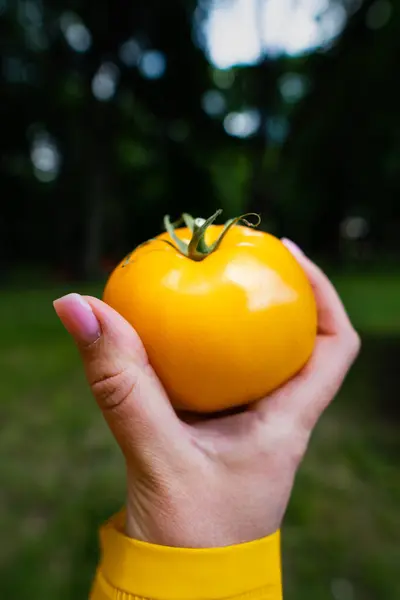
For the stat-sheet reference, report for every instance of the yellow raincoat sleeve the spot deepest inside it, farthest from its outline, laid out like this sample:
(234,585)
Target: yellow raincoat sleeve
(132,570)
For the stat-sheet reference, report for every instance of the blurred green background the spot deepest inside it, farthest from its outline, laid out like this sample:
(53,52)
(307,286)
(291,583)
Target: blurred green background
(115,113)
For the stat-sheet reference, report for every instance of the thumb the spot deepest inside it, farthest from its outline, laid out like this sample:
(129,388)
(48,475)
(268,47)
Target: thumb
(126,388)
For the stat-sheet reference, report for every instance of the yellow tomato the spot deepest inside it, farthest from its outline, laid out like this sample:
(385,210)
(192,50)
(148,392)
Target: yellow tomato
(224,327)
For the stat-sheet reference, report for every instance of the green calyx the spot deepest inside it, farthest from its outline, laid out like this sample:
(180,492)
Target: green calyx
(197,249)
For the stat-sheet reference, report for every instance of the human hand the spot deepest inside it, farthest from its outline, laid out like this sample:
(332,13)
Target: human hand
(220,481)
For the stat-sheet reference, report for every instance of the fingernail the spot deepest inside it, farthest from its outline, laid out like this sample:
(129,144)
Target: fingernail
(78,318)
(292,247)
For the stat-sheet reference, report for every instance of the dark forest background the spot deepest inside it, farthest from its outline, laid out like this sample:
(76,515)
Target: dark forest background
(112,114)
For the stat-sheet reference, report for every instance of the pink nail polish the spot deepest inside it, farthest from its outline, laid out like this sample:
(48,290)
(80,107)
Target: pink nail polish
(292,247)
(78,318)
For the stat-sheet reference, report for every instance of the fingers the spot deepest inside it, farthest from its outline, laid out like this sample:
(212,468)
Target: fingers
(123,383)
(333,320)
(332,317)
(306,396)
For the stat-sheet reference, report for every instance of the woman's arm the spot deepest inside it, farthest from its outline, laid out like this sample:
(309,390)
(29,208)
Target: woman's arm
(205,498)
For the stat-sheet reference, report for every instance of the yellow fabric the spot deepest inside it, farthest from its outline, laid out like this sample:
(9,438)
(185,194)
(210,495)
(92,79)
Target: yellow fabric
(133,570)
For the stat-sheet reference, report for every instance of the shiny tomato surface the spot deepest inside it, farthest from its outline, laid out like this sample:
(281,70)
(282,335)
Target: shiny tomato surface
(224,331)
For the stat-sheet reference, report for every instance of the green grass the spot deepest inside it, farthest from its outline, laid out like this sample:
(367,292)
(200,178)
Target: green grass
(62,474)
(372,301)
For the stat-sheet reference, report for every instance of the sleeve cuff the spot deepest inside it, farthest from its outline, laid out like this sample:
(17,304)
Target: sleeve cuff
(142,570)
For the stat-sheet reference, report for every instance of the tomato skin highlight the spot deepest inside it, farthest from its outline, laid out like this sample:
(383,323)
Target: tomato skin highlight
(222,332)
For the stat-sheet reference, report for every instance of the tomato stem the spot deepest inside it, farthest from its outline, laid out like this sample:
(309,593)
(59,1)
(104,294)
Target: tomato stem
(197,249)
(189,221)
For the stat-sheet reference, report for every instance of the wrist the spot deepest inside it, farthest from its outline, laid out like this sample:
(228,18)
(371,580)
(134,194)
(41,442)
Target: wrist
(150,518)
(162,527)
(164,523)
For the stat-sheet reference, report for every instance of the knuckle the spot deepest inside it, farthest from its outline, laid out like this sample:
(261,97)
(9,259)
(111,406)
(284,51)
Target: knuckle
(287,440)
(111,390)
(349,343)
(297,444)
(296,452)
(353,343)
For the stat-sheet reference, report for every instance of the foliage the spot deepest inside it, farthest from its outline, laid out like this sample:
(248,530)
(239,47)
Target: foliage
(127,145)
